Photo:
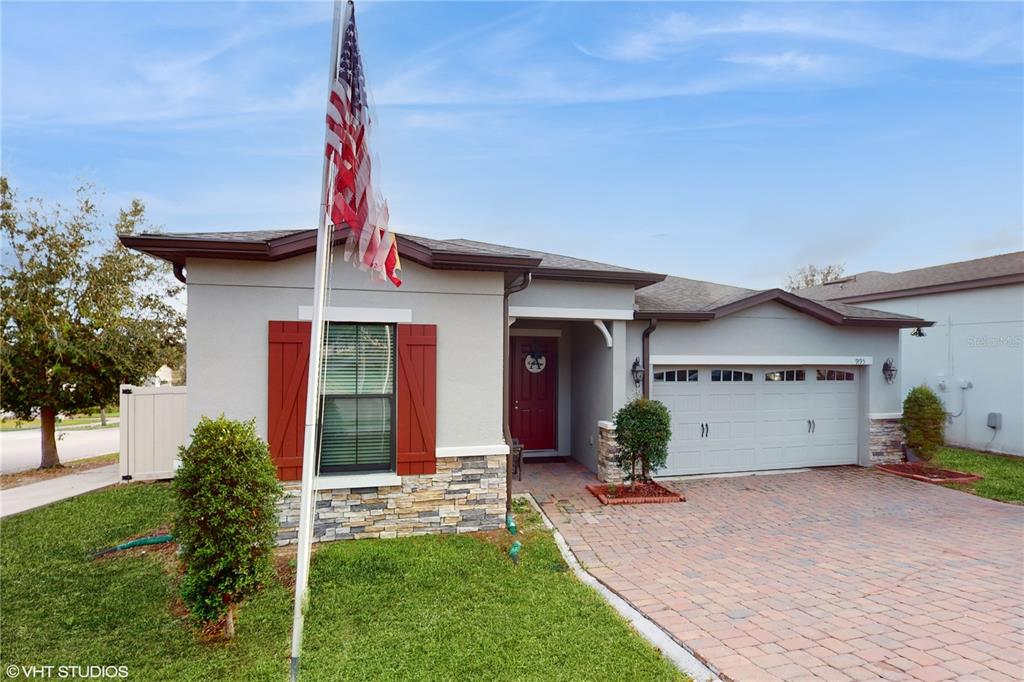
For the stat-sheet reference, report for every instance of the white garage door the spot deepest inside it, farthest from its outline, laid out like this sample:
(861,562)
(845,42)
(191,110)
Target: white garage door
(755,418)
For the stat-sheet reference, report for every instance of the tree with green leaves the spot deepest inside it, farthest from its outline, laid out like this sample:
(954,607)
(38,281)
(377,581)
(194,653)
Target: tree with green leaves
(923,421)
(643,428)
(226,519)
(80,313)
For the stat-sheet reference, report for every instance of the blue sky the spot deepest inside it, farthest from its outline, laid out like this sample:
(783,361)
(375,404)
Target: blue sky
(729,142)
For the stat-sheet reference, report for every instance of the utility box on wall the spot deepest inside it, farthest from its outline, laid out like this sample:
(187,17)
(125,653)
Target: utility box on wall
(995,420)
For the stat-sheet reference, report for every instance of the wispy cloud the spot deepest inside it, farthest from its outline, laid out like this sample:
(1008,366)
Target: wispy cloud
(225,74)
(790,60)
(947,31)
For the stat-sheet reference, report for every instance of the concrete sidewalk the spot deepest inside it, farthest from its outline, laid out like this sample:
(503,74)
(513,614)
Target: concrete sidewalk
(25,497)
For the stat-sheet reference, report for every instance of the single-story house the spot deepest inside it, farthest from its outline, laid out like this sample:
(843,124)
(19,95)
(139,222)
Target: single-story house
(974,355)
(425,386)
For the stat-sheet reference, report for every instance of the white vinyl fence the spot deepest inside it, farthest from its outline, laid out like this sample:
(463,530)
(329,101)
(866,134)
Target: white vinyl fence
(153,426)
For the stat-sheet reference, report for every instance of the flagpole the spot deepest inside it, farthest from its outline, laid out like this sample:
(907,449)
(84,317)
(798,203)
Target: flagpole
(323,254)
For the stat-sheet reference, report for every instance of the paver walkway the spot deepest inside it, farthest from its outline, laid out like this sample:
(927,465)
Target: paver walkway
(32,495)
(830,574)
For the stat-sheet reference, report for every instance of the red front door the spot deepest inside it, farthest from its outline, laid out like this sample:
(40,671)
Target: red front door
(534,373)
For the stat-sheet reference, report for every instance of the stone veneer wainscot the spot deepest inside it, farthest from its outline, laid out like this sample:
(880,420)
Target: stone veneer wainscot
(607,450)
(886,440)
(466,494)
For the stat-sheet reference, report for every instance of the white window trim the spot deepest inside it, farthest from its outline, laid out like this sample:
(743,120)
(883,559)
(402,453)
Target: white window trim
(545,313)
(336,314)
(471,450)
(344,481)
(727,361)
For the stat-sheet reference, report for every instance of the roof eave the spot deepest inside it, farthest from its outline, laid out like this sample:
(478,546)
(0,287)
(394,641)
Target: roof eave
(979,283)
(898,323)
(638,280)
(806,306)
(669,315)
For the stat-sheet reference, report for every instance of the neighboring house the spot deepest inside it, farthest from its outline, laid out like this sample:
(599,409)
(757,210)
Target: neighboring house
(974,355)
(162,377)
(416,425)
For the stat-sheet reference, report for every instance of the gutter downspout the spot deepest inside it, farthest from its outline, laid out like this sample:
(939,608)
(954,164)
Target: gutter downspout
(646,351)
(506,430)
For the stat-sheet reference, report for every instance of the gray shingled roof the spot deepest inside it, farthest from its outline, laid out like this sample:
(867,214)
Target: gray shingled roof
(877,282)
(682,295)
(672,295)
(679,294)
(848,310)
(452,246)
(240,236)
(548,260)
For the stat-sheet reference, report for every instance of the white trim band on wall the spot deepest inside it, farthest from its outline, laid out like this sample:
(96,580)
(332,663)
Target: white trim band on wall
(472,450)
(543,312)
(762,360)
(345,481)
(335,314)
(885,415)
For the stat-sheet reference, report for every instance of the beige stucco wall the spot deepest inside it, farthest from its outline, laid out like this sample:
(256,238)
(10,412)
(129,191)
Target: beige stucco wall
(561,294)
(772,329)
(230,303)
(978,337)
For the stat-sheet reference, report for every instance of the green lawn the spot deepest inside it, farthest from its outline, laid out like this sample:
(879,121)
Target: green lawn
(435,607)
(1003,475)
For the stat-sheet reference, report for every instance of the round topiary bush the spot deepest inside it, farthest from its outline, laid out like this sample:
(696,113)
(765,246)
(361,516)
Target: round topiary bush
(226,517)
(924,421)
(643,428)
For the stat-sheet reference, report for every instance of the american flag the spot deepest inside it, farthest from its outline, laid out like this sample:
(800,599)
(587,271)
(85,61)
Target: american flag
(353,199)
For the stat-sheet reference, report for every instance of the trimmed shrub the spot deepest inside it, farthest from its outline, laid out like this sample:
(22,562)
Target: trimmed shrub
(226,517)
(924,421)
(643,428)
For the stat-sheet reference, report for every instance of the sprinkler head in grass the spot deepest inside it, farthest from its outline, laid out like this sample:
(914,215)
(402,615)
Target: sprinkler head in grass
(514,550)
(510,524)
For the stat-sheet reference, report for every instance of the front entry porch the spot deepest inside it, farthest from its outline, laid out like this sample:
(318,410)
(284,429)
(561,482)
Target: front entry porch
(565,377)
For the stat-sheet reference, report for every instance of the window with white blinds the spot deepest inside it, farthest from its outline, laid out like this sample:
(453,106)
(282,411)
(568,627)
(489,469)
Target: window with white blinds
(358,396)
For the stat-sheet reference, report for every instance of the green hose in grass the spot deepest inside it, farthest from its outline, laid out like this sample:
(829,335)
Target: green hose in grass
(138,542)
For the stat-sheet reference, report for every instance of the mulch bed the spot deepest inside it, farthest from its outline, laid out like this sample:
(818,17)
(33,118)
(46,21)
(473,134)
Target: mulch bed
(641,493)
(920,471)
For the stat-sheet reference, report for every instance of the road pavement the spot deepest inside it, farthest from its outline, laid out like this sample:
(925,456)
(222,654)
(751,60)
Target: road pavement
(20,450)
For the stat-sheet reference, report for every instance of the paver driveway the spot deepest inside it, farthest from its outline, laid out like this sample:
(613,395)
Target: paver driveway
(830,574)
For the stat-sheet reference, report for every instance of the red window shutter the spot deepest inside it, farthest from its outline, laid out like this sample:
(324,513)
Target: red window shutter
(288,367)
(416,411)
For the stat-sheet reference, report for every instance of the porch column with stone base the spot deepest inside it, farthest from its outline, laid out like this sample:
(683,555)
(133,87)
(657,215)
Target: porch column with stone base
(607,450)
(886,440)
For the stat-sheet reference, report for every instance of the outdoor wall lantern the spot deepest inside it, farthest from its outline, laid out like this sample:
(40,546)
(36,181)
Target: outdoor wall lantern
(889,370)
(638,372)
(918,333)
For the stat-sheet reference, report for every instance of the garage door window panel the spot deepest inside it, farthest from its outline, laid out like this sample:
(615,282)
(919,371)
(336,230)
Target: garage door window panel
(834,375)
(731,375)
(785,375)
(685,375)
